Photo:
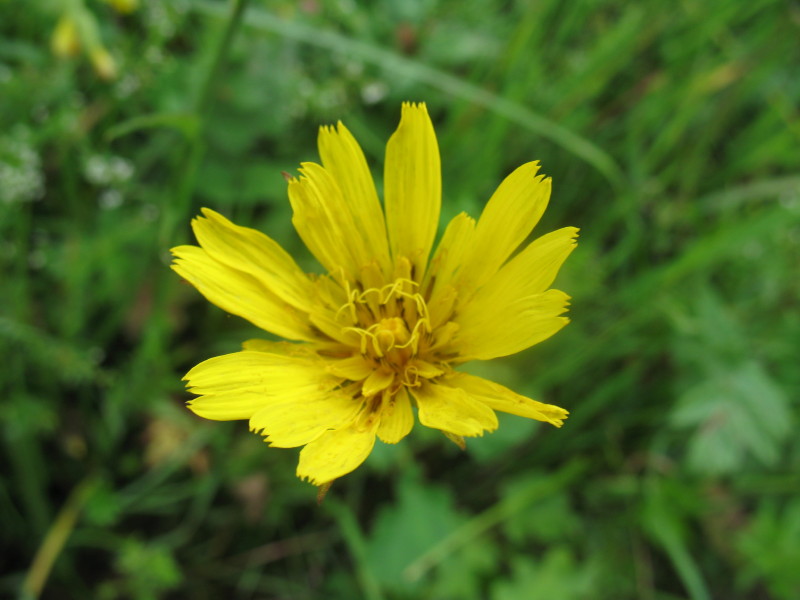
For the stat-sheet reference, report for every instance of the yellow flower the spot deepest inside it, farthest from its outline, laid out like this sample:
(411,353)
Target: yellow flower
(383,329)
(65,41)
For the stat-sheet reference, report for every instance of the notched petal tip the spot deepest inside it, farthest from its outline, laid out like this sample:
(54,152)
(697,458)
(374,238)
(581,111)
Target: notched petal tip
(304,169)
(572,234)
(308,477)
(414,110)
(557,415)
(332,128)
(532,166)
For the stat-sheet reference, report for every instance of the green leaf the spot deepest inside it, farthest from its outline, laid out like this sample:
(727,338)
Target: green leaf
(556,575)
(549,519)
(149,567)
(737,413)
(771,552)
(422,515)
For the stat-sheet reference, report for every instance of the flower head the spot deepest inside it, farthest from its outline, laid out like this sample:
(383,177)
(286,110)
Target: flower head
(384,328)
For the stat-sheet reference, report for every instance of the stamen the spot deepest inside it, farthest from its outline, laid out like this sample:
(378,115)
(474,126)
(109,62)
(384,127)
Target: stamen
(363,333)
(350,304)
(392,323)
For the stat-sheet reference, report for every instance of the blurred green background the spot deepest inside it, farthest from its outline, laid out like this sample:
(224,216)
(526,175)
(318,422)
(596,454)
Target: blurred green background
(671,132)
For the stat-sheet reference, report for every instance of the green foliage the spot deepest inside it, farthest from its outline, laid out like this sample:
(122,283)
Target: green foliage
(736,410)
(769,549)
(556,575)
(737,414)
(150,569)
(671,133)
(425,513)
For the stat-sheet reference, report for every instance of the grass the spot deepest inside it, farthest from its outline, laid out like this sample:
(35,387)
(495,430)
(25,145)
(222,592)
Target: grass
(671,132)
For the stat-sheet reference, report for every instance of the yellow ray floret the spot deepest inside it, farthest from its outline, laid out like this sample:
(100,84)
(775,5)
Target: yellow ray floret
(381,332)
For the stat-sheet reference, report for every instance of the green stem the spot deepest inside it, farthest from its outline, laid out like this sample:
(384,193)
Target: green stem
(203,101)
(55,539)
(194,153)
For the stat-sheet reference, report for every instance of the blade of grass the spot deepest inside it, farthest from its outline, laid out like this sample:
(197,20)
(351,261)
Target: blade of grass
(187,123)
(55,539)
(756,190)
(666,529)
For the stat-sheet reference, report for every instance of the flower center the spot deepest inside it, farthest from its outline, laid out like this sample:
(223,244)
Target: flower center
(389,325)
(390,334)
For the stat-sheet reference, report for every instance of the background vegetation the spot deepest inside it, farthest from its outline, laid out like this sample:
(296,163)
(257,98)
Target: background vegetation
(671,131)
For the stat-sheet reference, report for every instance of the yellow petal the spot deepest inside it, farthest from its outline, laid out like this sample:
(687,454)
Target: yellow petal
(325,223)
(240,294)
(343,159)
(335,453)
(296,419)
(531,271)
(453,410)
(378,380)
(423,368)
(236,386)
(228,406)
(326,316)
(397,418)
(508,218)
(265,372)
(488,330)
(282,348)
(498,397)
(413,187)
(256,254)
(354,368)
(454,244)
(446,265)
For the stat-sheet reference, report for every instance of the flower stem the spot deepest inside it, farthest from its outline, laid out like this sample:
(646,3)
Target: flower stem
(193,155)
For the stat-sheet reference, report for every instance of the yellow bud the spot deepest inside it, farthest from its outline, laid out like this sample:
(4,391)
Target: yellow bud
(125,7)
(65,42)
(103,63)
